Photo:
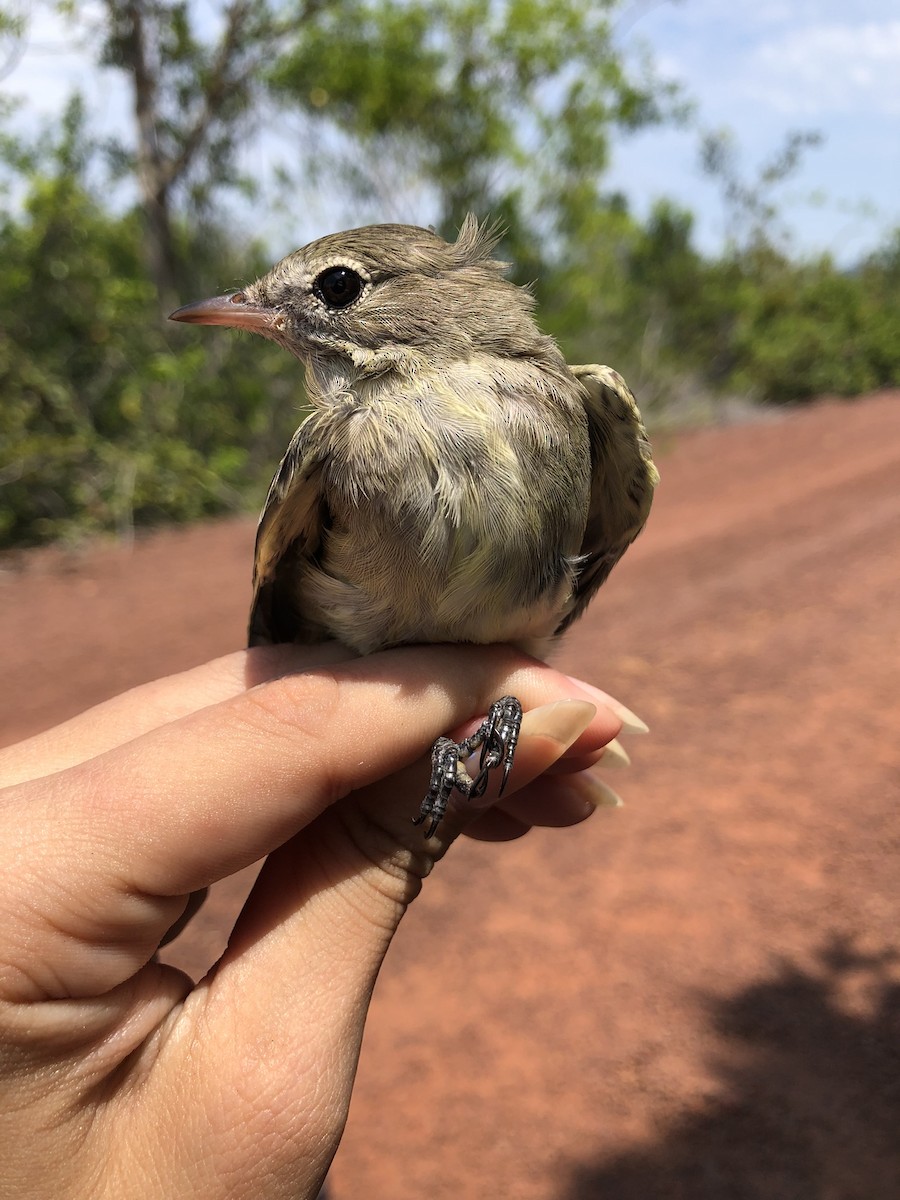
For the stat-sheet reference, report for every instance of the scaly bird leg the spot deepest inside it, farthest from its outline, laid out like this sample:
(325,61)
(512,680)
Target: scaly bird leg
(497,736)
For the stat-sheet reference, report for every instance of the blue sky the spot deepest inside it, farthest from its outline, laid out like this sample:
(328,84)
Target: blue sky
(761,69)
(758,69)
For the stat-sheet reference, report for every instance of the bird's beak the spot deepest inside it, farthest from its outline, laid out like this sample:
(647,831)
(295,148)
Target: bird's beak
(234,310)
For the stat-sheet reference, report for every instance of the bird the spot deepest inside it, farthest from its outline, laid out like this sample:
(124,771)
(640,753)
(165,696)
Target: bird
(454,479)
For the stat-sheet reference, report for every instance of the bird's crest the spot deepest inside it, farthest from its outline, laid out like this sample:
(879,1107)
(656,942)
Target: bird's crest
(476,241)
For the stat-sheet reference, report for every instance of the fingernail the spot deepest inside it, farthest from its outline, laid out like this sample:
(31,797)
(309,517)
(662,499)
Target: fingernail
(615,756)
(563,721)
(593,791)
(631,722)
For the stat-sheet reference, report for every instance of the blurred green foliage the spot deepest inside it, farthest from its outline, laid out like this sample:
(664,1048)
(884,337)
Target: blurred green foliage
(753,323)
(110,419)
(504,108)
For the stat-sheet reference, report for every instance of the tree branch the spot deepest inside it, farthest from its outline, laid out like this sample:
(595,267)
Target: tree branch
(220,83)
(223,81)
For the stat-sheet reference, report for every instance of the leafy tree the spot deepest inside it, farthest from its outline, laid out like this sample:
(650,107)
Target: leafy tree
(504,107)
(192,101)
(809,330)
(108,420)
(507,107)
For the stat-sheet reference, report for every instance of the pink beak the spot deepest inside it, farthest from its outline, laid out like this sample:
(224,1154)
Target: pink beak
(233,310)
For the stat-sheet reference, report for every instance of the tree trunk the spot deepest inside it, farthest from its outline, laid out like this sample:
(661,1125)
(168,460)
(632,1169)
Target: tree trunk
(152,169)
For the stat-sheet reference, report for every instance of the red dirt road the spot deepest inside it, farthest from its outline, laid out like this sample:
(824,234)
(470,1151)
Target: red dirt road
(696,997)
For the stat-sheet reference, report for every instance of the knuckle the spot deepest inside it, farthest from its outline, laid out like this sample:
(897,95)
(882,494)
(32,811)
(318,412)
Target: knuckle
(305,704)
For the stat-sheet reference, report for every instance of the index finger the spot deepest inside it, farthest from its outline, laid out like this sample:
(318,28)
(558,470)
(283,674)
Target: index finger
(150,705)
(204,796)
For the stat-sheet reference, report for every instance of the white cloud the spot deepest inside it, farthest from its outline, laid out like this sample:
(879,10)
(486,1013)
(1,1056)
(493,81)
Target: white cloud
(836,68)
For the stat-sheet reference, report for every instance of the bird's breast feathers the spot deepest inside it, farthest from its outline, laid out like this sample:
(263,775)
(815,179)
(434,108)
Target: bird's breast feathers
(454,511)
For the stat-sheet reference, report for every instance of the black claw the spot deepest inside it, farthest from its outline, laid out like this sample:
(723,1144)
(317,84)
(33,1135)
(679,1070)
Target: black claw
(479,784)
(422,817)
(497,737)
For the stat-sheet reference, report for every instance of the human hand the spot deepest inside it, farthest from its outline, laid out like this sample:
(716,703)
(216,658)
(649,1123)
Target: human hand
(118,1076)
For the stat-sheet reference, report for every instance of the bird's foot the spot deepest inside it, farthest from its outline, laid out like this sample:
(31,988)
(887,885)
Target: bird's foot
(497,736)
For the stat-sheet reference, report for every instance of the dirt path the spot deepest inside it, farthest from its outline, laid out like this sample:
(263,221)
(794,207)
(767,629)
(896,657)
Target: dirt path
(696,997)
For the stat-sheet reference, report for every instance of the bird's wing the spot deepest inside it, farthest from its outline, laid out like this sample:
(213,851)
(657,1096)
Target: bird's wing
(622,480)
(290,529)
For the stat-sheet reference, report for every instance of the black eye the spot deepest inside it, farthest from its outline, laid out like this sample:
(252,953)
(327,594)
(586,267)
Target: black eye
(338,286)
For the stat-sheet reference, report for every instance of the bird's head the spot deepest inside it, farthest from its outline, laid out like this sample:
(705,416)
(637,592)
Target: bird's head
(385,297)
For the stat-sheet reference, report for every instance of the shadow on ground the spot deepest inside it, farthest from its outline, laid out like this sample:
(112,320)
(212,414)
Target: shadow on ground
(810,1100)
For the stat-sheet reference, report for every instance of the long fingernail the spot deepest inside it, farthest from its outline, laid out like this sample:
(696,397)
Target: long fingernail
(592,791)
(631,722)
(615,756)
(564,721)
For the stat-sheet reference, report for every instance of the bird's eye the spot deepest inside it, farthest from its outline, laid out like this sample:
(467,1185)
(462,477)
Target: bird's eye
(338,286)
